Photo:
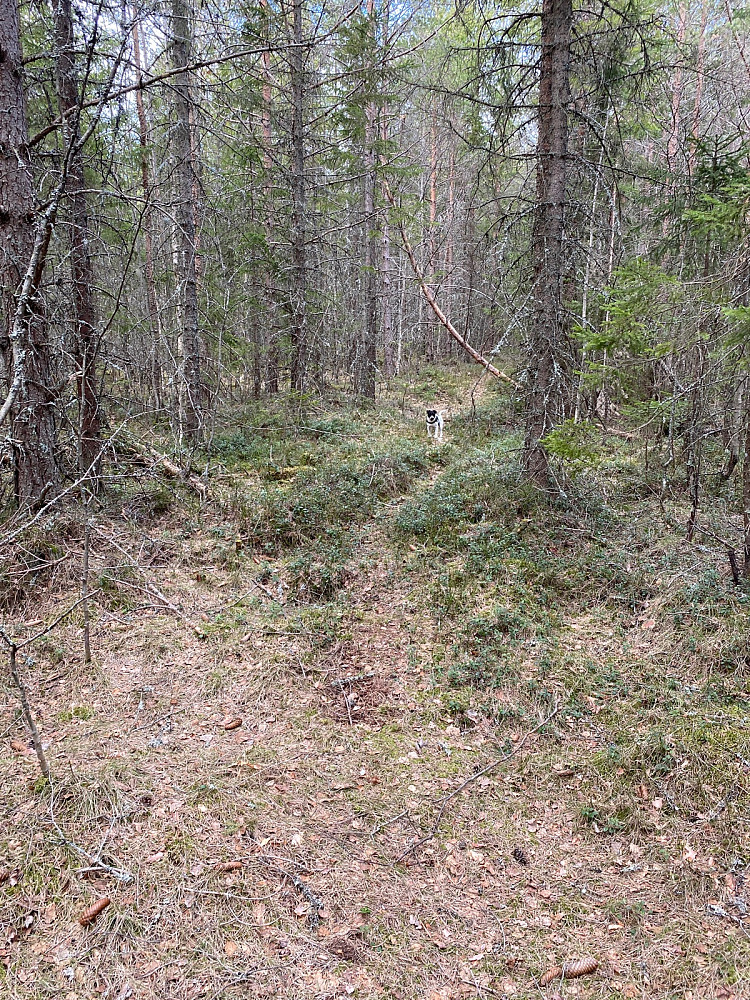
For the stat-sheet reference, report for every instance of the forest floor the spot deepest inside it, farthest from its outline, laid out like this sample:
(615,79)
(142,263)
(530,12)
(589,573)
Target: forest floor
(388,618)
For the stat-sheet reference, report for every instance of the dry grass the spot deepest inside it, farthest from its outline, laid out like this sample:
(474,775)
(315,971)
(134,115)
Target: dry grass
(349,738)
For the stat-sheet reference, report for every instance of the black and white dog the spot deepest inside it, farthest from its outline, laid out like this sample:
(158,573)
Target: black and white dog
(435,424)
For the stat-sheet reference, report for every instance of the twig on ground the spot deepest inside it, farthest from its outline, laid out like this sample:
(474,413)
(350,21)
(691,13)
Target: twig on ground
(718,911)
(242,977)
(388,822)
(149,588)
(155,722)
(120,874)
(152,591)
(238,600)
(346,697)
(28,715)
(731,551)
(316,905)
(467,781)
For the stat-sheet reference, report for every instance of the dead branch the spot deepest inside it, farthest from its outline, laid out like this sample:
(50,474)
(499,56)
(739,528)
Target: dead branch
(316,905)
(36,739)
(432,303)
(149,588)
(120,874)
(173,470)
(467,781)
(731,551)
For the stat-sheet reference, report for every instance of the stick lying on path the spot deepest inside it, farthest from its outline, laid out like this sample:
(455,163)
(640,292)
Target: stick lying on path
(467,781)
(432,303)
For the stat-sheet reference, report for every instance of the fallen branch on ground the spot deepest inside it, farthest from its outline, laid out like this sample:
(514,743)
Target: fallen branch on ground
(467,781)
(316,905)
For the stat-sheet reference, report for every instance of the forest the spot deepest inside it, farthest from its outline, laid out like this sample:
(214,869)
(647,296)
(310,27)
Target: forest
(374,499)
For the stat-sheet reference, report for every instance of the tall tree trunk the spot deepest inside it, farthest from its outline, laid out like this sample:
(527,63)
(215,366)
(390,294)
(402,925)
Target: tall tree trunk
(368,358)
(674,134)
(148,227)
(547,366)
(298,372)
(433,328)
(449,238)
(191,387)
(470,230)
(386,312)
(587,266)
(699,75)
(734,417)
(387,308)
(24,336)
(271,339)
(85,334)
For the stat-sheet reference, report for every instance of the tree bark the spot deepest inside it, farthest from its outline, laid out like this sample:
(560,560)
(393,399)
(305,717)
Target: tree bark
(24,337)
(433,330)
(386,283)
(674,136)
(547,366)
(85,333)
(368,358)
(148,227)
(699,77)
(191,387)
(746,492)
(298,371)
(449,236)
(271,338)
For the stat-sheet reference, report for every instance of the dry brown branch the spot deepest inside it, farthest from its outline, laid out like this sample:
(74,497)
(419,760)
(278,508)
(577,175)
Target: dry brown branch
(468,781)
(432,303)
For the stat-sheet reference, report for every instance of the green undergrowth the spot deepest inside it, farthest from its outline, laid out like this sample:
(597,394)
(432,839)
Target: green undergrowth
(326,501)
(508,572)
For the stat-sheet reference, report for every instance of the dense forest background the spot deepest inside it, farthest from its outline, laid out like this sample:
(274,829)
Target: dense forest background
(209,205)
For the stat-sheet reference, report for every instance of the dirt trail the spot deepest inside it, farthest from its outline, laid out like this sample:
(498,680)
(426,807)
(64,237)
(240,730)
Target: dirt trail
(265,858)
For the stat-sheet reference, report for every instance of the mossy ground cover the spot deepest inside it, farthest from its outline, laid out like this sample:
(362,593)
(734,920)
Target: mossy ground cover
(387,618)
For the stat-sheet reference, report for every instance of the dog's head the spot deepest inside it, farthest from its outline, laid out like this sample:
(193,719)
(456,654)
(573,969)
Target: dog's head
(432,416)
